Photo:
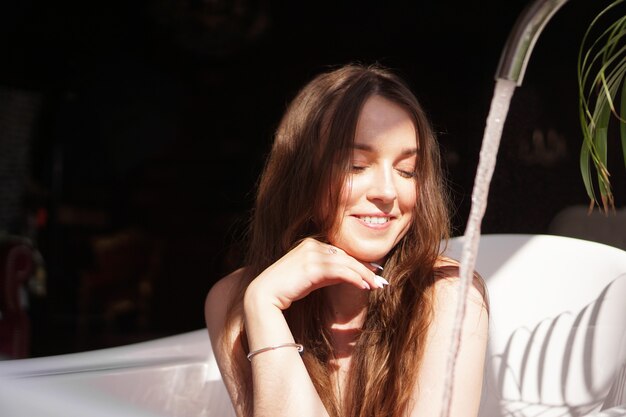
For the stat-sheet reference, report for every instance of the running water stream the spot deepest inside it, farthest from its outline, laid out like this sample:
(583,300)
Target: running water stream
(487,161)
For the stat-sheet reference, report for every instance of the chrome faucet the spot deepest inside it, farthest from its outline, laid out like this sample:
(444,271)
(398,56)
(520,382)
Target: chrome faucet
(522,38)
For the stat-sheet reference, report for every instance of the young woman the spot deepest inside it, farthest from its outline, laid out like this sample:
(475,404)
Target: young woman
(352,190)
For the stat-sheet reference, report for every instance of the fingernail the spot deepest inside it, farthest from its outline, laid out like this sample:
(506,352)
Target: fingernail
(380,281)
(366,286)
(377,266)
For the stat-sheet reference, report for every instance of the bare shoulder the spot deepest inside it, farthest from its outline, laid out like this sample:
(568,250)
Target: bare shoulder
(448,281)
(222,290)
(218,301)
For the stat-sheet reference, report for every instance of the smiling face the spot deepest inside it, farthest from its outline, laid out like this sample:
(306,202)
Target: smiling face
(378,199)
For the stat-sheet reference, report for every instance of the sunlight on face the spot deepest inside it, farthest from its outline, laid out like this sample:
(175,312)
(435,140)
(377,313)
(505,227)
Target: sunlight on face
(376,207)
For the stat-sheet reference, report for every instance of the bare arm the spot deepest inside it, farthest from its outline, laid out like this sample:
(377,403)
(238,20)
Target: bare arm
(467,386)
(281,383)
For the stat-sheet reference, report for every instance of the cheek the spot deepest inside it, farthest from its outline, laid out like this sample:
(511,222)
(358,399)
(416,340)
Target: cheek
(408,197)
(408,208)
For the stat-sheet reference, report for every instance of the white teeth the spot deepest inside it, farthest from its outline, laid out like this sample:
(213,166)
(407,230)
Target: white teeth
(374,220)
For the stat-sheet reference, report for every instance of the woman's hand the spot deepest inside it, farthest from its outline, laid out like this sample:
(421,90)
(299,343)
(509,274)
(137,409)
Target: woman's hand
(309,266)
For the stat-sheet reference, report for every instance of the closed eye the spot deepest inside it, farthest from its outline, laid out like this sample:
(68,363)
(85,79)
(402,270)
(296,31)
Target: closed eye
(406,174)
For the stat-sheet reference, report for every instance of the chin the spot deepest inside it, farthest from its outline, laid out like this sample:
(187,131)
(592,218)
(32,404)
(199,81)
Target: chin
(366,253)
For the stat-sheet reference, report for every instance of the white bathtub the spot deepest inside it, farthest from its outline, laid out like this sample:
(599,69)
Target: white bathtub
(174,376)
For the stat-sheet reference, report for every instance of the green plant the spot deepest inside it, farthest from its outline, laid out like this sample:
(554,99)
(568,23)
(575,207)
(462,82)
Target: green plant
(602,97)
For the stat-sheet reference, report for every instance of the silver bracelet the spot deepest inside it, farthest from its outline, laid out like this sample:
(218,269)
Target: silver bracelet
(265,349)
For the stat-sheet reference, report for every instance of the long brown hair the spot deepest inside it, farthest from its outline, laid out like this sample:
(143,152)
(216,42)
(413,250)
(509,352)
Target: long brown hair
(308,163)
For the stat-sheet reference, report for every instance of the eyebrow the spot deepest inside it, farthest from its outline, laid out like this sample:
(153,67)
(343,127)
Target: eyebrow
(368,148)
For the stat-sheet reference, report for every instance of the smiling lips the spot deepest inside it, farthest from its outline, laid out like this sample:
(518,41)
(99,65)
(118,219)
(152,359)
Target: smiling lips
(375,221)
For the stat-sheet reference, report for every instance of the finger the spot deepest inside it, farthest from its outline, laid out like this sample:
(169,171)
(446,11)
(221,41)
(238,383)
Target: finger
(340,272)
(378,269)
(364,271)
(368,272)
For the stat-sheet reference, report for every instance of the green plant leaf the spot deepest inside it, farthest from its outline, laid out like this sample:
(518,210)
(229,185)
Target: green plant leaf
(601,72)
(585,171)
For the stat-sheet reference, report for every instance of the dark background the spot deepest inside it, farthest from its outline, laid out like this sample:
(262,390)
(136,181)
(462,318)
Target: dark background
(143,125)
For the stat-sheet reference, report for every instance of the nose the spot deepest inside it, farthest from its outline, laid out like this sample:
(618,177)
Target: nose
(382,187)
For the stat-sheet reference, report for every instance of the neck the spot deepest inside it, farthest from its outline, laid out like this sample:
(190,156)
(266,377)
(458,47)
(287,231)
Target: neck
(347,308)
